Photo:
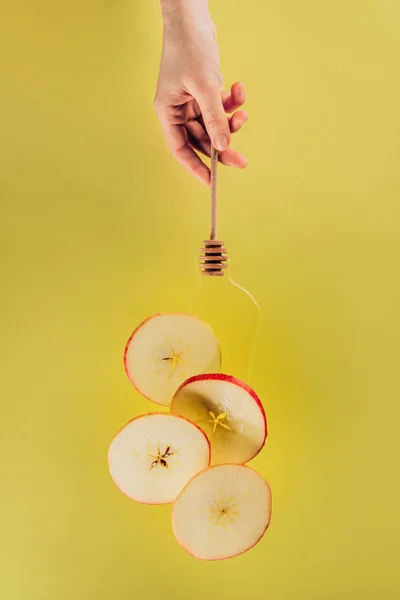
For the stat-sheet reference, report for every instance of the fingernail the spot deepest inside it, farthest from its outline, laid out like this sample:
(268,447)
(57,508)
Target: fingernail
(221,142)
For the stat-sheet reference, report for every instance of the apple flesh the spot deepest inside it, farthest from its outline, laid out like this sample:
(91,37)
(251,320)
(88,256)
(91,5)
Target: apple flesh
(222,512)
(153,457)
(165,350)
(228,411)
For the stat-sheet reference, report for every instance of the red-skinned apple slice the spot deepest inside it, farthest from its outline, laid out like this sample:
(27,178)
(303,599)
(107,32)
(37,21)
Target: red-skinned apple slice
(165,350)
(222,512)
(228,411)
(153,457)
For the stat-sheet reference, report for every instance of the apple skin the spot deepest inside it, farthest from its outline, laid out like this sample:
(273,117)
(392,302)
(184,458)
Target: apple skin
(163,414)
(159,314)
(238,382)
(258,539)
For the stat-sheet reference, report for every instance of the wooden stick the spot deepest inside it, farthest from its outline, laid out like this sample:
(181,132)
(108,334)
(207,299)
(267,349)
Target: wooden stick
(213,257)
(213,202)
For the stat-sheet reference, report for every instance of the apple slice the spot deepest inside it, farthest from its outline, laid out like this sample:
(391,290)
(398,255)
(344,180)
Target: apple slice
(228,411)
(167,349)
(222,512)
(155,455)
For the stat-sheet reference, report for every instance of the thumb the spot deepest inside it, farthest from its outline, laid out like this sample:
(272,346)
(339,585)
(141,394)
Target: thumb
(214,117)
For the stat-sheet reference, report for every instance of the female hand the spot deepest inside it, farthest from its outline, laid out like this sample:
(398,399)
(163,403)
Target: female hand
(189,102)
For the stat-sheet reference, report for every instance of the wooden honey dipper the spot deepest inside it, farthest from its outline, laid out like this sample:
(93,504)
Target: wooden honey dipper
(213,256)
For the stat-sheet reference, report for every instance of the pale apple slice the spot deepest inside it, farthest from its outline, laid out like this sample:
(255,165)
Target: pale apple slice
(165,350)
(228,411)
(222,512)
(153,457)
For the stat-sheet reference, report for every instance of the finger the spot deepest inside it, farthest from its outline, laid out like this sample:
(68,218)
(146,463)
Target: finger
(214,117)
(198,137)
(200,140)
(238,94)
(235,99)
(232,158)
(178,143)
(237,120)
(225,96)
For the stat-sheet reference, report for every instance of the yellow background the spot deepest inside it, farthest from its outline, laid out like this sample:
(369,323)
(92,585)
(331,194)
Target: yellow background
(98,229)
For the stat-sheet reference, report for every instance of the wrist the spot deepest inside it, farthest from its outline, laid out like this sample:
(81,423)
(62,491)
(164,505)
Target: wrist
(180,8)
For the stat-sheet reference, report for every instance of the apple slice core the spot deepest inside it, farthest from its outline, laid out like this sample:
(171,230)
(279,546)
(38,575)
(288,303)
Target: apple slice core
(165,350)
(222,512)
(153,457)
(228,411)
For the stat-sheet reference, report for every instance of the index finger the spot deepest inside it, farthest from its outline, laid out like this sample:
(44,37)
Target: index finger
(178,143)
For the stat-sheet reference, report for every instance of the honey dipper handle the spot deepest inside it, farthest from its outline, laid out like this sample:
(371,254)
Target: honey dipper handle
(213,203)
